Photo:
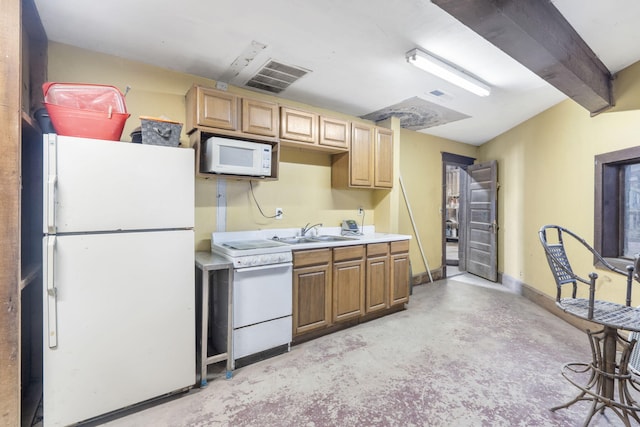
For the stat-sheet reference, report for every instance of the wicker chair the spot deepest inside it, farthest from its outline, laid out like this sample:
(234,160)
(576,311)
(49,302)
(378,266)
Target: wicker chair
(602,312)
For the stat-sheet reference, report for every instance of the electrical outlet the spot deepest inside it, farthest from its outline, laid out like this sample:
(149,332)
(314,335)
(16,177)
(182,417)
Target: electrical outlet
(279,213)
(360,211)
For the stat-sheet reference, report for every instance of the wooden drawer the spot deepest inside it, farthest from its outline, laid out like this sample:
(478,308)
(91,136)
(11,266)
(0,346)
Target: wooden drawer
(311,257)
(348,253)
(377,249)
(399,246)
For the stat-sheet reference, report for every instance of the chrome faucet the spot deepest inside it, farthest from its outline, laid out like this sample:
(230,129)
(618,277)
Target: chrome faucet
(304,230)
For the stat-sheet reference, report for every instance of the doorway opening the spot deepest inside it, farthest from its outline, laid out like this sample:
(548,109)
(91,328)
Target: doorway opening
(454,178)
(451,218)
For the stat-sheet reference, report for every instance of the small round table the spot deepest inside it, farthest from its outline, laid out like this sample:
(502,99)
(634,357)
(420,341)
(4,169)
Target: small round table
(610,382)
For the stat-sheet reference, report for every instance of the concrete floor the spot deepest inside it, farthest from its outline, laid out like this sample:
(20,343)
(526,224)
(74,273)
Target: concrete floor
(465,353)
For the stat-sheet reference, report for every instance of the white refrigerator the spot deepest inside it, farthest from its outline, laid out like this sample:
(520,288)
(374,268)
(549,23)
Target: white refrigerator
(118,273)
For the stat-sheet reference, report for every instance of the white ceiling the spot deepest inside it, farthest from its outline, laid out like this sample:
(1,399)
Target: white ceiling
(355,49)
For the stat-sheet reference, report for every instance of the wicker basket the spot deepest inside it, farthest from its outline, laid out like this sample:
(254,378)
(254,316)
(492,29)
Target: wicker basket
(160,132)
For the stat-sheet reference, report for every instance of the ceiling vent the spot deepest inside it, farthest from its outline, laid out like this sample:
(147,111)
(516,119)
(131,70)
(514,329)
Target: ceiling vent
(276,77)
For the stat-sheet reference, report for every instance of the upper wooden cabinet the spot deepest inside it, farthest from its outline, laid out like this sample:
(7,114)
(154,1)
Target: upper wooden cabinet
(369,164)
(211,108)
(334,133)
(259,117)
(383,158)
(304,129)
(224,113)
(299,126)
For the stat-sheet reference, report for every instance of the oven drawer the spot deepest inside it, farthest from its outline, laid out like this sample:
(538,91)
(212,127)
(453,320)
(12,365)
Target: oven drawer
(263,336)
(261,293)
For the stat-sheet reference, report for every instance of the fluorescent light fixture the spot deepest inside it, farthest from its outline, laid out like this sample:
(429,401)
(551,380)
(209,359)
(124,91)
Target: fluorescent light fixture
(436,66)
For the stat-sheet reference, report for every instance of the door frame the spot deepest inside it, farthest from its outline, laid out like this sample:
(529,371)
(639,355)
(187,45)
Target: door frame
(450,159)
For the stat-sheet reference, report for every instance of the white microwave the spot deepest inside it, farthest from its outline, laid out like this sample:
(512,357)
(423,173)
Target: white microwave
(236,157)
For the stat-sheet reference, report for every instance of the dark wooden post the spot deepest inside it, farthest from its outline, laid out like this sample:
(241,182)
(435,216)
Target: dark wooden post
(10,143)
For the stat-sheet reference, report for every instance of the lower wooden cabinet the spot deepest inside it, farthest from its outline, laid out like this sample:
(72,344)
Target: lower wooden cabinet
(377,289)
(311,290)
(348,282)
(399,266)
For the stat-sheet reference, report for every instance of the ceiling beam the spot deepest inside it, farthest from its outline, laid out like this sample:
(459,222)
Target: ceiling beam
(535,34)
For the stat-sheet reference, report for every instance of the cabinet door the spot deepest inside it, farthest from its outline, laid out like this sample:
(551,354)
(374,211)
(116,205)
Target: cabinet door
(383,155)
(377,287)
(300,126)
(259,117)
(361,156)
(217,109)
(334,133)
(399,278)
(311,298)
(348,290)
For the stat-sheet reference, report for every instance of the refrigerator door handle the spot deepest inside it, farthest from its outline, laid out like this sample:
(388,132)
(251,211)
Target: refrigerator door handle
(52,178)
(52,303)
(51,189)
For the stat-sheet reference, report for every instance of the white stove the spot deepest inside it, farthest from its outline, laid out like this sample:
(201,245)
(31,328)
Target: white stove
(262,291)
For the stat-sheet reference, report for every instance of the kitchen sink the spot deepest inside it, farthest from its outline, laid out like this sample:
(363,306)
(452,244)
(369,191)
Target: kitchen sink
(295,240)
(327,238)
(312,239)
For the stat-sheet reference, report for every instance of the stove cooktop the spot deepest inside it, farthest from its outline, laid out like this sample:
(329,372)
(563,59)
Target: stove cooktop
(254,252)
(243,245)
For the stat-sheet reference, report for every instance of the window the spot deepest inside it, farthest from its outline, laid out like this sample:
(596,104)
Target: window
(617,205)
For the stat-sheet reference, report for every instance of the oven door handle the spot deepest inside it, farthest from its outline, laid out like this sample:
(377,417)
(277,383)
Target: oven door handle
(264,267)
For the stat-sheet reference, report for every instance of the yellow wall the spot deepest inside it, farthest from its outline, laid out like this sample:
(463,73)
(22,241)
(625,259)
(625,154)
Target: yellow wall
(421,169)
(626,89)
(546,175)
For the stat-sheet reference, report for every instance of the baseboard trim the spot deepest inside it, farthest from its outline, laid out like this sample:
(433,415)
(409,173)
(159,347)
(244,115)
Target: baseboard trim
(544,301)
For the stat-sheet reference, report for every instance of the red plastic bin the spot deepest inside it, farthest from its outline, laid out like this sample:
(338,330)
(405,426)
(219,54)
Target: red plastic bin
(86,110)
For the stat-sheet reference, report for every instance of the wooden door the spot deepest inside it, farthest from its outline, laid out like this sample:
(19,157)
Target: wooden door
(383,155)
(481,220)
(361,156)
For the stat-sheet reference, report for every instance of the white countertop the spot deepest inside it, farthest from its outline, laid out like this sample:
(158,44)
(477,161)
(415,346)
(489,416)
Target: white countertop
(356,240)
(369,236)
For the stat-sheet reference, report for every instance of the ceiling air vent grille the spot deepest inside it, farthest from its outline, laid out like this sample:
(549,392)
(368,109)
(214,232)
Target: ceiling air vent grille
(276,77)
